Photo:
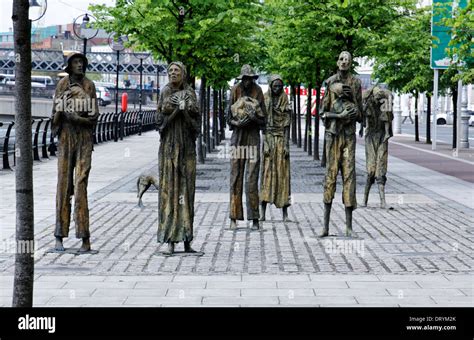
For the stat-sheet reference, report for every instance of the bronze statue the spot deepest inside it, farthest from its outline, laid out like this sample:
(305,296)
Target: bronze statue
(275,181)
(378,118)
(144,182)
(179,124)
(246,117)
(341,108)
(75,112)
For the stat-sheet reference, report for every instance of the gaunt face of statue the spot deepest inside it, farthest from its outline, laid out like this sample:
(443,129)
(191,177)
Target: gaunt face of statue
(247,82)
(277,87)
(77,66)
(175,75)
(344,62)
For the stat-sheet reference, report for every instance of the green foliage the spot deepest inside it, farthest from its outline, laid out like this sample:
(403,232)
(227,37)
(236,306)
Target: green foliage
(462,43)
(403,57)
(303,39)
(212,38)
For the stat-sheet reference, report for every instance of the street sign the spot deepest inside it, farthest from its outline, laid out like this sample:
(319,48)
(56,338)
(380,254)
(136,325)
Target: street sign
(442,9)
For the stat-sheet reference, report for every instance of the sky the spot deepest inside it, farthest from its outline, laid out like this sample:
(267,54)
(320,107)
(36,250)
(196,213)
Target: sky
(58,12)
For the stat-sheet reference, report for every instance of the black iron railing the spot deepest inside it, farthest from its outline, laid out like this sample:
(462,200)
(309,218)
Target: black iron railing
(109,127)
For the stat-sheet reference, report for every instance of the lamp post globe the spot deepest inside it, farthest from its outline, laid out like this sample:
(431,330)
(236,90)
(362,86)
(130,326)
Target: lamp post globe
(86,32)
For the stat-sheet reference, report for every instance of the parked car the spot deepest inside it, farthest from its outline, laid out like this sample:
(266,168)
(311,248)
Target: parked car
(33,84)
(4,78)
(103,95)
(46,80)
(443,118)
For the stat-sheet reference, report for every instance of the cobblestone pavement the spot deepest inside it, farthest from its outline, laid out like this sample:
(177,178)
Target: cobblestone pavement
(425,242)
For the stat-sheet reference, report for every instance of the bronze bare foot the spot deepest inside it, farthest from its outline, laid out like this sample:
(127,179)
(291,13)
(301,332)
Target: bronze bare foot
(327,215)
(86,245)
(264,210)
(325,232)
(255,224)
(170,249)
(285,215)
(187,247)
(368,184)
(233,224)
(349,221)
(59,244)
(382,196)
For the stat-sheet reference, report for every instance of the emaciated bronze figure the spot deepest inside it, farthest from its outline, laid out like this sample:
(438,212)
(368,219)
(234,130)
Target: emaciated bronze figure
(341,108)
(275,181)
(378,118)
(75,113)
(246,117)
(179,124)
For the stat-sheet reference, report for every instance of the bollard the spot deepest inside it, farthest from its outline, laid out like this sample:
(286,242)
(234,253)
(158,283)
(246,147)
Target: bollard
(464,140)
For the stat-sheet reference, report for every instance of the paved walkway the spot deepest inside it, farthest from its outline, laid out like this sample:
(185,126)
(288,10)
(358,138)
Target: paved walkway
(419,253)
(443,160)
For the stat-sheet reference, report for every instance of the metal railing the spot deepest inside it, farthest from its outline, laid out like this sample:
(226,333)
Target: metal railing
(109,127)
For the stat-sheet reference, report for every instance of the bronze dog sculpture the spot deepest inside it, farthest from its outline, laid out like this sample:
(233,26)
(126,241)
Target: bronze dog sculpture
(144,182)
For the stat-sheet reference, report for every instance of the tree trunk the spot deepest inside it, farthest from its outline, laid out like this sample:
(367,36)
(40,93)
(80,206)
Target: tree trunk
(215,127)
(316,123)
(309,120)
(294,137)
(208,120)
(417,131)
(221,114)
(293,115)
(202,94)
(428,119)
(24,259)
(298,116)
(454,91)
(305,141)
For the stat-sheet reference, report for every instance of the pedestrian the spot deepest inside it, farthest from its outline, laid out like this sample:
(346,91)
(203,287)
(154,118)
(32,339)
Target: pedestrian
(246,117)
(275,181)
(179,124)
(406,114)
(341,108)
(75,113)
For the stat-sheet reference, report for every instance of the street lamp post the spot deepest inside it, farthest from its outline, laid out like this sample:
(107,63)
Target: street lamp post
(117,45)
(42,8)
(141,56)
(86,32)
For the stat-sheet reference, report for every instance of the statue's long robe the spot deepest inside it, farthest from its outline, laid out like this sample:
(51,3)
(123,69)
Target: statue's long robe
(177,166)
(376,149)
(275,185)
(245,160)
(341,142)
(75,144)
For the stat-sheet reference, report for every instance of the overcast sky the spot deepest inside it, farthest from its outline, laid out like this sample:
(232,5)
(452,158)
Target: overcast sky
(58,12)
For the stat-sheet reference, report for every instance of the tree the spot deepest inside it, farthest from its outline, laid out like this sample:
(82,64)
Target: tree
(402,59)
(461,52)
(304,39)
(213,39)
(196,32)
(24,260)
(462,46)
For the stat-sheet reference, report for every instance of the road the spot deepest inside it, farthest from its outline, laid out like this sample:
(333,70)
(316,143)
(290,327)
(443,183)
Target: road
(444,133)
